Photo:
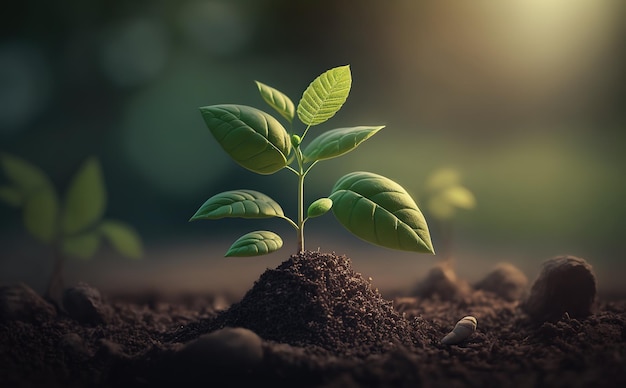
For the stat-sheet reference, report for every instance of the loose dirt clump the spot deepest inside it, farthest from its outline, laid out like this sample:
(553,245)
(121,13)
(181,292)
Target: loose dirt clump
(318,299)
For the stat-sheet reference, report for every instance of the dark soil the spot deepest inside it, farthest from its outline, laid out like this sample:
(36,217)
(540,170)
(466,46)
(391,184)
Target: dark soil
(317,323)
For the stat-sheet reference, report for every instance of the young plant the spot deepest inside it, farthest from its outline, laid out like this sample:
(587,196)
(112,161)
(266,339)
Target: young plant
(372,207)
(446,195)
(73,228)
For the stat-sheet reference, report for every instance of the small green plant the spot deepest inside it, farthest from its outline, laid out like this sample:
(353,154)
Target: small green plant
(73,227)
(372,207)
(446,195)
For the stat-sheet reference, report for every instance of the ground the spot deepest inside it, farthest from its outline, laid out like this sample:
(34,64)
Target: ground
(312,321)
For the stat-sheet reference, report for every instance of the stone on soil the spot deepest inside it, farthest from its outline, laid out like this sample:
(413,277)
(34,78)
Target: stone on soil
(84,304)
(566,284)
(442,281)
(506,281)
(231,347)
(74,344)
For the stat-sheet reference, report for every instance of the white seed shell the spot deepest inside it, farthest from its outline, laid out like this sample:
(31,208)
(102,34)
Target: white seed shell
(462,330)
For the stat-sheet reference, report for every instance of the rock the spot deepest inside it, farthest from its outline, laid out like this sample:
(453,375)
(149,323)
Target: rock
(566,284)
(84,304)
(228,348)
(232,354)
(441,280)
(74,344)
(111,350)
(20,302)
(506,281)
(462,330)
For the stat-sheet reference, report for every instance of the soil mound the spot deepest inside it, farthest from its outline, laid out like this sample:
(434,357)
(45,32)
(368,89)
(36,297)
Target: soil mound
(317,299)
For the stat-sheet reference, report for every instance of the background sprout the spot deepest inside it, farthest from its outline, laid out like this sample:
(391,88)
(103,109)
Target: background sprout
(73,226)
(372,207)
(445,196)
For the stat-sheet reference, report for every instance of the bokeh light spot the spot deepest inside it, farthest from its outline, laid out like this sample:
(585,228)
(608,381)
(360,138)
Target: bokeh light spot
(25,85)
(134,52)
(217,28)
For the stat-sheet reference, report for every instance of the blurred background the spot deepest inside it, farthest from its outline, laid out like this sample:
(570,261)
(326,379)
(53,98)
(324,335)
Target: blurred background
(524,98)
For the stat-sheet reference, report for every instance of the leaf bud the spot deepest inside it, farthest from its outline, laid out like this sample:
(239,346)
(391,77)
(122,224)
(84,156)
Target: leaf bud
(295,140)
(319,207)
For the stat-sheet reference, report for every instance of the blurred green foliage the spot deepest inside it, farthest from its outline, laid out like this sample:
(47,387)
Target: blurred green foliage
(525,99)
(445,194)
(74,226)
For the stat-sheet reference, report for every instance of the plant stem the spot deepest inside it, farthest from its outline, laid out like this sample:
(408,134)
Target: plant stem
(56,278)
(300,212)
(301,175)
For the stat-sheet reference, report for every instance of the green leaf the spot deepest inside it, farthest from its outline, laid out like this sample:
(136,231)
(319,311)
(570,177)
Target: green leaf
(253,138)
(337,142)
(11,196)
(255,244)
(82,246)
(123,237)
(319,207)
(32,189)
(380,211)
(277,100)
(41,210)
(25,176)
(238,203)
(85,200)
(325,96)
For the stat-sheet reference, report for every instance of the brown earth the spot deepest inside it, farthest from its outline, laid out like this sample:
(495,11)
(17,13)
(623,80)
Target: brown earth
(312,321)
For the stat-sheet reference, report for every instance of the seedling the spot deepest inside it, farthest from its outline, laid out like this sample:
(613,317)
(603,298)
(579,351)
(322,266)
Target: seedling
(446,195)
(372,207)
(74,228)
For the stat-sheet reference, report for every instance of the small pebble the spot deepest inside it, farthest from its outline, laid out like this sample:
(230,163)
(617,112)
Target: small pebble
(109,349)
(84,304)
(74,344)
(506,281)
(462,330)
(566,284)
(228,348)
(441,280)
